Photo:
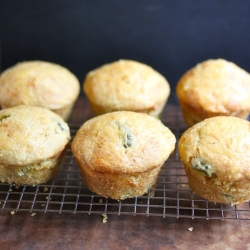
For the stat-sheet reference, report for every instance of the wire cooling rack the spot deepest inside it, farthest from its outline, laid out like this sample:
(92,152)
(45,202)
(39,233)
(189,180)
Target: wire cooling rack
(66,193)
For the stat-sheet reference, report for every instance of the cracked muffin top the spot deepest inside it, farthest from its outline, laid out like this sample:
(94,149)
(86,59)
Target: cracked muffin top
(31,134)
(123,142)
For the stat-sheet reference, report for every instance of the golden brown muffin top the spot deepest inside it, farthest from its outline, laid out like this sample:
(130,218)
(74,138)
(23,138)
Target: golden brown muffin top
(126,85)
(123,142)
(218,146)
(38,83)
(216,86)
(30,134)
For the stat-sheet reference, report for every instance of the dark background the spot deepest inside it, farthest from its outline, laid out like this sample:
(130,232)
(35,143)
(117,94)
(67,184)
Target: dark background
(169,35)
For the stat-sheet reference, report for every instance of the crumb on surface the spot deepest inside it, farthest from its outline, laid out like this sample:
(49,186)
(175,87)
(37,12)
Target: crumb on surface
(48,198)
(100,200)
(45,189)
(190,229)
(152,193)
(33,214)
(12,212)
(104,218)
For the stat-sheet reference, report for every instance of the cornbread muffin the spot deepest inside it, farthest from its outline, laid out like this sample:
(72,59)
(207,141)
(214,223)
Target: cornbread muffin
(214,88)
(216,157)
(120,154)
(32,142)
(126,85)
(40,84)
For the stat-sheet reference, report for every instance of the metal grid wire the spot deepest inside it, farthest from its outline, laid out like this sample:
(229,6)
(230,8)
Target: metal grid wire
(66,193)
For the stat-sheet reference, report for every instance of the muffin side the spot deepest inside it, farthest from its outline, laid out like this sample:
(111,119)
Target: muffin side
(119,186)
(33,174)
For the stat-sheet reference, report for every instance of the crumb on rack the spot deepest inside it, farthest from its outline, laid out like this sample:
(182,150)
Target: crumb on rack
(190,229)
(152,193)
(12,212)
(48,198)
(104,218)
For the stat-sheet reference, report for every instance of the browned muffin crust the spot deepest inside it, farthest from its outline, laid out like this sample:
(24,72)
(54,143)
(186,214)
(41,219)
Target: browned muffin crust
(32,142)
(120,154)
(216,157)
(214,88)
(41,84)
(126,85)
